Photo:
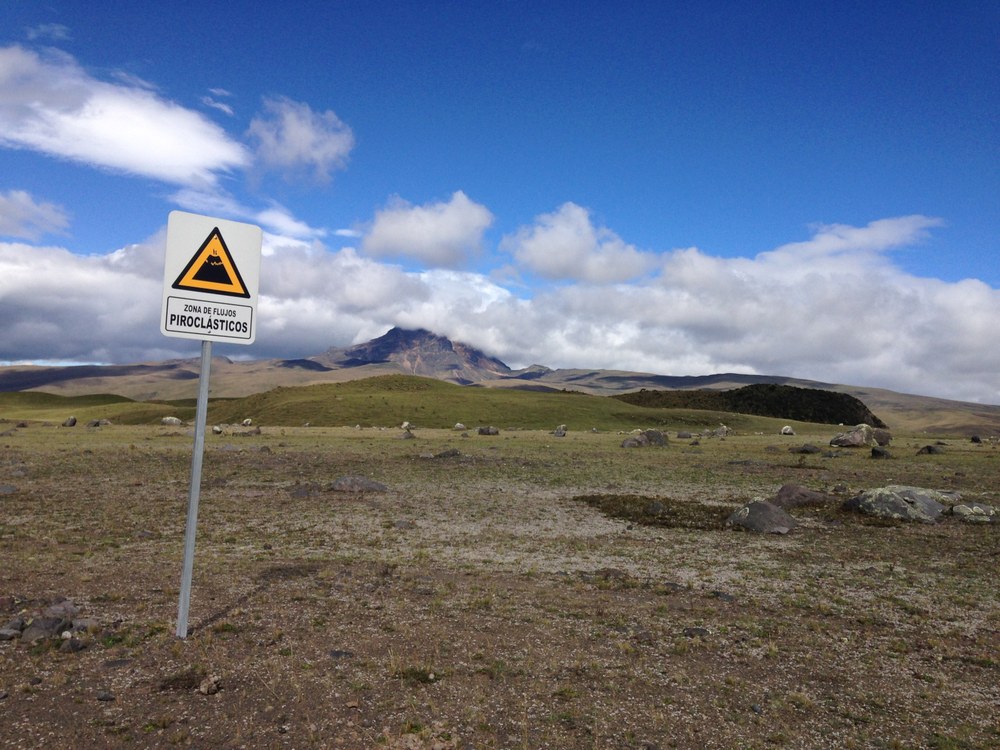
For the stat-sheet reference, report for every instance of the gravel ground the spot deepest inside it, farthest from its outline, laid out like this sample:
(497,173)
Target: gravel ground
(477,602)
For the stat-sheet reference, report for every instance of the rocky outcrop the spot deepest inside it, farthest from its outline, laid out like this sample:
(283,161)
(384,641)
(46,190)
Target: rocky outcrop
(901,503)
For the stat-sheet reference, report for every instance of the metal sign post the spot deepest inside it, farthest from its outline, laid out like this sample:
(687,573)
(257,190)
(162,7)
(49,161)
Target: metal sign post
(210,281)
(194,495)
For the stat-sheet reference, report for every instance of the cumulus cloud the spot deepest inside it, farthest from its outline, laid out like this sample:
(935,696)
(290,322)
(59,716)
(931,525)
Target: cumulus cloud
(442,234)
(565,245)
(843,312)
(51,105)
(21,216)
(290,136)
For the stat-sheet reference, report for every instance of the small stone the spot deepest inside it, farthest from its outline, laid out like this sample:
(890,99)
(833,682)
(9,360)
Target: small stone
(72,646)
(105,696)
(210,685)
(695,632)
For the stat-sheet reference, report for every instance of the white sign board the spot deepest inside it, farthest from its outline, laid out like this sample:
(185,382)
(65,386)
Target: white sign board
(210,279)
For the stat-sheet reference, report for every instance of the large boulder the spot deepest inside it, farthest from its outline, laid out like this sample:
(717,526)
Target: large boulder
(862,436)
(762,517)
(901,503)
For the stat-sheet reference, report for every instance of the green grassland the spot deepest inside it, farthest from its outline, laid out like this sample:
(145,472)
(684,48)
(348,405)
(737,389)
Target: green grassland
(386,401)
(390,400)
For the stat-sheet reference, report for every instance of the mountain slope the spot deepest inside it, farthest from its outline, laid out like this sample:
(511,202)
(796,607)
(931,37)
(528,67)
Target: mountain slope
(425,354)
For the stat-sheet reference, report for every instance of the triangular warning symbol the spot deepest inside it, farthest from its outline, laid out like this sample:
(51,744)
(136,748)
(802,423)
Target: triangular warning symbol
(212,269)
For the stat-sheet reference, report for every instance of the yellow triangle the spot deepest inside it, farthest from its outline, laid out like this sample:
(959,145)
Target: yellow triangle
(212,269)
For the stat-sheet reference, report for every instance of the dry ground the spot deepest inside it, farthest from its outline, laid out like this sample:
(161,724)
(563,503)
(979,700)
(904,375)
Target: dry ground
(477,604)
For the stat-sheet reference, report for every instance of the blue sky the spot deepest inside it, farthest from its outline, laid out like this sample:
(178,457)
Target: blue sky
(805,189)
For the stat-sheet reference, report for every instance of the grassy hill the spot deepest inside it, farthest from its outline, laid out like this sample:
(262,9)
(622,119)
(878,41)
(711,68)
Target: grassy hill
(48,407)
(392,399)
(389,400)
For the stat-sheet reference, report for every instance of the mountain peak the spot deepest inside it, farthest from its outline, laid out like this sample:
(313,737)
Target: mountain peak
(420,352)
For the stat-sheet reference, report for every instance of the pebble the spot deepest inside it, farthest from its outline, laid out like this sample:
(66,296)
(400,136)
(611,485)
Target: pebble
(105,696)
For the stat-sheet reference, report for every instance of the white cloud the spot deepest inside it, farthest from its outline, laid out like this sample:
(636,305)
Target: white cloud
(438,234)
(21,216)
(858,319)
(53,106)
(291,136)
(566,245)
(216,104)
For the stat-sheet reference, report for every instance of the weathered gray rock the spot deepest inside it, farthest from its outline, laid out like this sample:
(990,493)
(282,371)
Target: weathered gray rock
(7,489)
(930,450)
(459,427)
(879,451)
(976,513)
(491,430)
(684,435)
(357,484)
(762,517)
(901,503)
(70,422)
(644,439)
(862,436)
(795,496)
(787,430)
(171,421)
(882,436)
(560,431)
(44,627)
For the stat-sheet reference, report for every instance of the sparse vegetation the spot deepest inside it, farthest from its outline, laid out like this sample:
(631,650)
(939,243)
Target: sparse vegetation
(563,592)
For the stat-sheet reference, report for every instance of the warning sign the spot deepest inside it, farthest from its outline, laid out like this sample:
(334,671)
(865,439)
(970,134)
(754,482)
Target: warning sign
(212,269)
(209,262)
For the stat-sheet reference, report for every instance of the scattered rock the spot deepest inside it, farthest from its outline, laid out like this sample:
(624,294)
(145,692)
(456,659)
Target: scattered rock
(247,422)
(976,439)
(40,628)
(787,430)
(72,645)
(105,696)
(71,422)
(901,503)
(644,439)
(762,517)
(976,513)
(210,685)
(448,453)
(7,489)
(560,431)
(684,435)
(862,436)
(491,430)
(882,436)
(459,427)
(357,484)
(695,632)
(930,450)
(795,496)
(171,421)
(880,451)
